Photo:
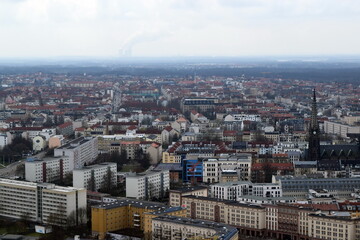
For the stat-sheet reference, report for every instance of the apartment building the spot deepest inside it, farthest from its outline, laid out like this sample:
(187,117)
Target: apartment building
(214,168)
(171,158)
(92,177)
(285,221)
(198,104)
(148,185)
(333,227)
(126,213)
(48,169)
(235,190)
(80,151)
(176,194)
(248,218)
(231,190)
(171,227)
(339,128)
(266,190)
(41,202)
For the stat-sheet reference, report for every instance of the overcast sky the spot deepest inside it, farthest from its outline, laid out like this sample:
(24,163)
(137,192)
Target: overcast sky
(108,28)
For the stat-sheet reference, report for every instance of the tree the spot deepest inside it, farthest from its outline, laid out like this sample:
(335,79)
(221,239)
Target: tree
(143,159)
(91,183)
(146,121)
(49,152)
(20,170)
(68,179)
(107,183)
(77,217)
(57,216)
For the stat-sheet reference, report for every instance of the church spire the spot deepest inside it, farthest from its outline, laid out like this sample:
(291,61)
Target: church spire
(314,122)
(314,133)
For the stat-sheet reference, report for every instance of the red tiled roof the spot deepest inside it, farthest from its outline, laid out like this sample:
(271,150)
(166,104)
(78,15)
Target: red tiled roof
(65,125)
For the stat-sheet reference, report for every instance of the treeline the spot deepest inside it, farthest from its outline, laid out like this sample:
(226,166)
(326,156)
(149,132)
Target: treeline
(14,151)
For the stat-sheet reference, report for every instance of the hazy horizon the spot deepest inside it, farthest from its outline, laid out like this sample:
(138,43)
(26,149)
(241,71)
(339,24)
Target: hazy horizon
(175,28)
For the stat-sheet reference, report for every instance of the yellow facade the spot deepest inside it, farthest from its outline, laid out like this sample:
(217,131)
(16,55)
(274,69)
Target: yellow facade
(170,158)
(107,219)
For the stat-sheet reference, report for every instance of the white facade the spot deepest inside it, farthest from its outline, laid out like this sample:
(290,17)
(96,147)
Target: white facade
(234,190)
(340,129)
(45,203)
(5,139)
(148,185)
(80,151)
(230,190)
(81,177)
(266,190)
(48,169)
(242,117)
(212,168)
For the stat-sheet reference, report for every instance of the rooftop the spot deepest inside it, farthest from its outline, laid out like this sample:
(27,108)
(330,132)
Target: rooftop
(222,230)
(100,165)
(189,189)
(158,208)
(75,143)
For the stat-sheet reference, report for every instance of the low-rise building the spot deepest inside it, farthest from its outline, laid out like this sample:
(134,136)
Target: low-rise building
(39,143)
(56,141)
(299,186)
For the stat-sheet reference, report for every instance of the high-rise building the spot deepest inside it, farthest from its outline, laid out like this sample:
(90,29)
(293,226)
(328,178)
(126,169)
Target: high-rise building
(41,202)
(93,177)
(80,151)
(148,185)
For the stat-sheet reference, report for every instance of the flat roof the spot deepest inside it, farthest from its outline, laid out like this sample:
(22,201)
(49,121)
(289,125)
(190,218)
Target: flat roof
(158,208)
(76,143)
(228,202)
(226,184)
(222,230)
(46,186)
(95,166)
(189,189)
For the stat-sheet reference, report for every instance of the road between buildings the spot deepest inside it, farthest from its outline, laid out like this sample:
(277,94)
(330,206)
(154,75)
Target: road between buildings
(10,170)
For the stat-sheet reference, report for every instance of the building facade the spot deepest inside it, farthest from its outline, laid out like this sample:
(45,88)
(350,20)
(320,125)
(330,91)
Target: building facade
(41,202)
(80,151)
(93,177)
(171,227)
(48,169)
(148,185)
